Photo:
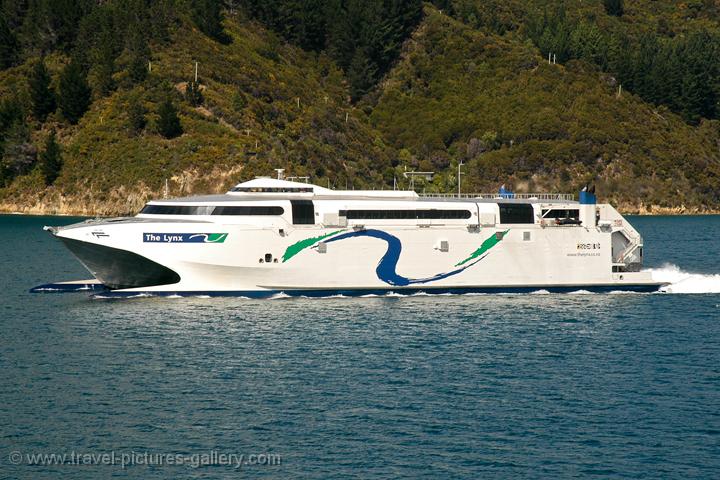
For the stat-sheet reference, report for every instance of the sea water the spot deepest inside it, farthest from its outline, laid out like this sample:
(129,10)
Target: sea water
(471,386)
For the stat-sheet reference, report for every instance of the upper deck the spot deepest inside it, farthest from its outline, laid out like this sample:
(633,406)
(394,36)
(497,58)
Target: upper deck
(265,189)
(274,203)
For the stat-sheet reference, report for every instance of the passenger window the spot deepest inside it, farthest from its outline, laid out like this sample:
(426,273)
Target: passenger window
(303,212)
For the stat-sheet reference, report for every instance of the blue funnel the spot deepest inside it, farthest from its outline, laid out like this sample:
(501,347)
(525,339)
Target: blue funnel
(587,198)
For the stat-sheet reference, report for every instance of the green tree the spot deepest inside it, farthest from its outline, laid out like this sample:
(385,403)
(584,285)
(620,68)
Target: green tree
(303,22)
(361,74)
(239,102)
(103,65)
(96,43)
(588,43)
(207,15)
(193,94)
(73,93)
(42,96)
(8,45)
(619,56)
(18,152)
(364,37)
(169,122)
(51,159)
(614,7)
(50,24)
(138,53)
(11,112)
(136,116)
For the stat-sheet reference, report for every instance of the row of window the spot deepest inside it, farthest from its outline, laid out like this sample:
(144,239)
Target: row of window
(273,189)
(303,212)
(405,214)
(211,210)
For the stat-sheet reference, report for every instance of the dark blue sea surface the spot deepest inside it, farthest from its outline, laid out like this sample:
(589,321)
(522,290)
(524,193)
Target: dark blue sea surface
(489,386)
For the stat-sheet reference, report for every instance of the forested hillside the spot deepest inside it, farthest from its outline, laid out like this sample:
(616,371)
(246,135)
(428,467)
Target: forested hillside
(100,108)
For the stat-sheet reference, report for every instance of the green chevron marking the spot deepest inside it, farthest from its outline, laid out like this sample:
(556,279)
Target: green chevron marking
(486,245)
(297,247)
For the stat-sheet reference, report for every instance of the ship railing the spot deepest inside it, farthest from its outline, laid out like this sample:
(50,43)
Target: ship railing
(503,196)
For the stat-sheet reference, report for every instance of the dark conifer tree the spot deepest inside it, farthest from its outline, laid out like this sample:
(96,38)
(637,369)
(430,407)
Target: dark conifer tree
(303,22)
(139,53)
(103,64)
(51,159)
(8,45)
(136,116)
(52,24)
(364,37)
(614,7)
(73,93)
(18,152)
(207,15)
(169,122)
(341,34)
(361,74)
(11,112)
(42,96)
(399,17)
(193,94)
(618,56)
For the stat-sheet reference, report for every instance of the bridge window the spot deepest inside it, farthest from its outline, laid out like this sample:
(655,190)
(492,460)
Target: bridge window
(516,213)
(247,210)
(430,214)
(172,210)
(273,189)
(211,210)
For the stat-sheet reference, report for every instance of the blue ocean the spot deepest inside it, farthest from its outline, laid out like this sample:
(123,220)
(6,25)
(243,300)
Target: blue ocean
(466,386)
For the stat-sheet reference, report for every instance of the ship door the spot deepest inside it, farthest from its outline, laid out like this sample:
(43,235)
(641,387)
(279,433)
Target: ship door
(303,212)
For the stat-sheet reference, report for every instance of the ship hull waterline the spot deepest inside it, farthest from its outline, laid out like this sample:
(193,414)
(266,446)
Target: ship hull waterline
(121,273)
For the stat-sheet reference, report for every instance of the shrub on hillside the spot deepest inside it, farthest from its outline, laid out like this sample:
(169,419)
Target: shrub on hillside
(169,122)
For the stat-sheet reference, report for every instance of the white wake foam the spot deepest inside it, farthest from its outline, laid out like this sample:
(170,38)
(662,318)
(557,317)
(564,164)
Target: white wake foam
(685,282)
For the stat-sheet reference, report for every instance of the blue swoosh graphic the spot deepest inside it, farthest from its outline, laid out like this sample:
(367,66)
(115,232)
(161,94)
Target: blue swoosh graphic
(386,266)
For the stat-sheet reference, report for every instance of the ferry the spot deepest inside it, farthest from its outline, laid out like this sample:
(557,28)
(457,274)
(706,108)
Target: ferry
(274,236)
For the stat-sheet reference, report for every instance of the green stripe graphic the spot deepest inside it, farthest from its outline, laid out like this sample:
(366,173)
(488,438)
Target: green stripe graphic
(486,245)
(297,247)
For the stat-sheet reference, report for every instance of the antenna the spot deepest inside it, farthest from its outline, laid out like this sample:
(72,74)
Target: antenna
(280,173)
(459,174)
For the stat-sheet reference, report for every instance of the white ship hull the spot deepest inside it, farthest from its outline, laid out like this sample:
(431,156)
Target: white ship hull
(233,256)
